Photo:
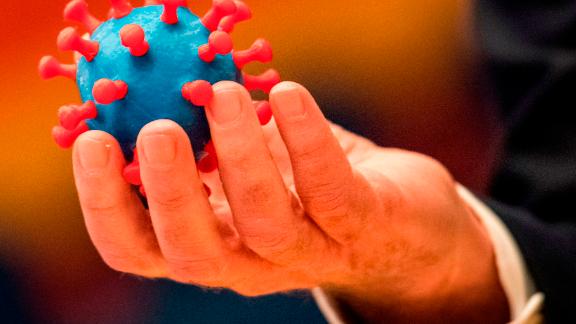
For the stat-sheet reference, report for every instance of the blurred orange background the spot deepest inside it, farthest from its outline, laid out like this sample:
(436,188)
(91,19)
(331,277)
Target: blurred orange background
(399,72)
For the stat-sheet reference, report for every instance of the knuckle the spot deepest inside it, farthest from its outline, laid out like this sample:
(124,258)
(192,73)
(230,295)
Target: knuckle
(196,269)
(170,199)
(435,167)
(428,166)
(327,198)
(257,192)
(271,244)
(284,248)
(178,237)
(129,258)
(313,149)
(126,263)
(99,205)
(100,209)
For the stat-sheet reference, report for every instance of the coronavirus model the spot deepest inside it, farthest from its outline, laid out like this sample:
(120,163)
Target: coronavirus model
(154,62)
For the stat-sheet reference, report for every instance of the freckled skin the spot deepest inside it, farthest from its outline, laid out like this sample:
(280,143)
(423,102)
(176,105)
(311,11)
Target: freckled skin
(154,80)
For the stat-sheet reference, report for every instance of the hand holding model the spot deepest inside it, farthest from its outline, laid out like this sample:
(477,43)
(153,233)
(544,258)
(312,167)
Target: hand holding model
(295,205)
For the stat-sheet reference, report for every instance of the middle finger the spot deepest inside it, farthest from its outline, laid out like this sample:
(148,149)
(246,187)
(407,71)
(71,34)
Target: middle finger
(267,216)
(183,220)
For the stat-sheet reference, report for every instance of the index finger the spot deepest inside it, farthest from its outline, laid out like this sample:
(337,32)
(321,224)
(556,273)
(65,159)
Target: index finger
(114,215)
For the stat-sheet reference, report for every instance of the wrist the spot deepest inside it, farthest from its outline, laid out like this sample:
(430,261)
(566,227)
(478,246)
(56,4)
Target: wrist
(463,288)
(474,293)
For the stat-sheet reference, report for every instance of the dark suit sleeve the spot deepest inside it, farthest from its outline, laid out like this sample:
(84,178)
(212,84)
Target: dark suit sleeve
(529,47)
(550,255)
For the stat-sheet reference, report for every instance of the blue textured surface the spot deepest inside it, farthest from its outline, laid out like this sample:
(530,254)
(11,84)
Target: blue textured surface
(154,80)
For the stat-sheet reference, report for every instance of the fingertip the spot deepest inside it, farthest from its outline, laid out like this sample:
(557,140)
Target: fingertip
(222,88)
(291,101)
(94,151)
(163,145)
(286,86)
(228,85)
(289,88)
(231,108)
(161,126)
(93,136)
(169,131)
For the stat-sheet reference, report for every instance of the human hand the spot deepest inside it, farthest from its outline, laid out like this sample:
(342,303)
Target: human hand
(295,206)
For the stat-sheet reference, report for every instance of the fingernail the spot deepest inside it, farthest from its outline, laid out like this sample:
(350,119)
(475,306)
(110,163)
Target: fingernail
(289,100)
(93,153)
(226,106)
(159,149)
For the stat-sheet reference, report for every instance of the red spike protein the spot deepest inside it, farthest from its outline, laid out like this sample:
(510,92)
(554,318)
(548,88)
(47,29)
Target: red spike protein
(133,37)
(219,10)
(50,67)
(71,116)
(120,8)
(242,13)
(219,42)
(69,40)
(157,61)
(77,11)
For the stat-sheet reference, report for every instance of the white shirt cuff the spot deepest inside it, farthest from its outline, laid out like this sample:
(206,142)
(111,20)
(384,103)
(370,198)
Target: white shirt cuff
(524,302)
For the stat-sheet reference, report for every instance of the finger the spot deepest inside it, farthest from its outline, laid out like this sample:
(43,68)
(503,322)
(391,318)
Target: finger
(114,215)
(269,221)
(329,190)
(183,220)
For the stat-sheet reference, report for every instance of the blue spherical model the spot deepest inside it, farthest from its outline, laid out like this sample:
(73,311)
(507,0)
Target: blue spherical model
(154,80)
(154,62)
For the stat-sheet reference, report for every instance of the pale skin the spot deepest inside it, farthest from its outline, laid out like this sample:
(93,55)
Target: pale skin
(297,204)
